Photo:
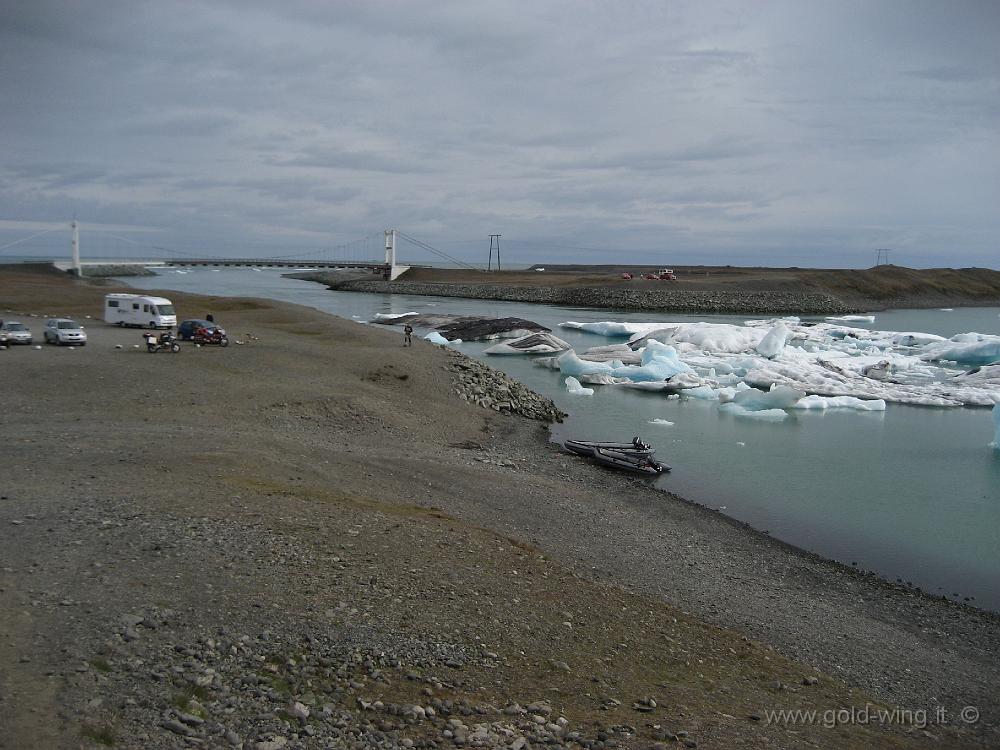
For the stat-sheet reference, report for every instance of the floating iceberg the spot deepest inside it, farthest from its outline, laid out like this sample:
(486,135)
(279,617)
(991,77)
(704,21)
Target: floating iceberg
(658,362)
(766,415)
(704,392)
(826,359)
(778,397)
(839,402)
(436,338)
(613,329)
(713,337)
(771,345)
(967,348)
(663,422)
(393,316)
(533,343)
(621,352)
(573,386)
(983,376)
(853,318)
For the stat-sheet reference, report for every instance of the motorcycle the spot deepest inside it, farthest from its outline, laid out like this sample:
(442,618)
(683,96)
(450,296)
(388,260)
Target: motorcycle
(165,342)
(213,336)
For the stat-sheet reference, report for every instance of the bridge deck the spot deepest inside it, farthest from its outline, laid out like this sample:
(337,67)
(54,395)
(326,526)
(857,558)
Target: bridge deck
(374,265)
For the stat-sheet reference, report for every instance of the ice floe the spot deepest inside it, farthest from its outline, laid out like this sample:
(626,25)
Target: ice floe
(830,364)
(573,386)
(533,343)
(436,338)
(853,318)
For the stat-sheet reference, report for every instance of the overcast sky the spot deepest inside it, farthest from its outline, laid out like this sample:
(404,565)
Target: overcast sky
(777,133)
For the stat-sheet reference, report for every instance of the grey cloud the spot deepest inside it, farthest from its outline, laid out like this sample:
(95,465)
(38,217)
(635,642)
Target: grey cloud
(949,74)
(189,124)
(786,132)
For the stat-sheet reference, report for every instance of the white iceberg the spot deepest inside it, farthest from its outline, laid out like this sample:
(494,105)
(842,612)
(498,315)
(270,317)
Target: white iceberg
(704,392)
(765,415)
(839,402)
(853,318)
(987,375)
(967,348)
(393,316)
(771,345)
(573,386)
(779,397)
(826,359)
(610,328)
(436,338)
(664,422)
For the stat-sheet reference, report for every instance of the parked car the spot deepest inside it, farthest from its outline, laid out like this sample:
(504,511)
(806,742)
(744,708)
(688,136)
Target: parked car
(187,329)
(4,340)
(16,332)
(64,331)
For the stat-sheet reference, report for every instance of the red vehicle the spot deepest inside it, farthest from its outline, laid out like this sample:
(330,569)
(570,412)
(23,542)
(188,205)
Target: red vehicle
(202,332)
(215,336)
(627,276)
(666,274)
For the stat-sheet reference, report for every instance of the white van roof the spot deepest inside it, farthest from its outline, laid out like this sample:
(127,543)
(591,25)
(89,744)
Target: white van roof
(154,300)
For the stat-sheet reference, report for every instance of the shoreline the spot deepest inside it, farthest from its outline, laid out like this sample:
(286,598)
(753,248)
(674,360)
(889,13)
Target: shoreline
(500,475)
(728,291)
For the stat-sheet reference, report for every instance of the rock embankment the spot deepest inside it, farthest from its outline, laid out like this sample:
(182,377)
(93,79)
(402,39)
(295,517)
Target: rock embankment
(112,269)
(481,384)
(672,299)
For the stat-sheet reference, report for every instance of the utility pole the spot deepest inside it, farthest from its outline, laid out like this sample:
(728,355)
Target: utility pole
(496,238)
(881,256)
(76,249)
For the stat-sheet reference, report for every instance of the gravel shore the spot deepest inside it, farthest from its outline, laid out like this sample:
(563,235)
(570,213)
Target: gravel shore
(312,539)
(665,299)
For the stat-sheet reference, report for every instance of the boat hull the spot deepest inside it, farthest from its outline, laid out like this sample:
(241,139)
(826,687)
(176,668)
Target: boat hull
(638,464)
(587,447)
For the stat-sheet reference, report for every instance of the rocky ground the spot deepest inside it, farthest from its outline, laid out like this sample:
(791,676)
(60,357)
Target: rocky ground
(664,297)
(311,539)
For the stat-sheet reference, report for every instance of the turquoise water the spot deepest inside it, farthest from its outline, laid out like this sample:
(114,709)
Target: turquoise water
(911,493)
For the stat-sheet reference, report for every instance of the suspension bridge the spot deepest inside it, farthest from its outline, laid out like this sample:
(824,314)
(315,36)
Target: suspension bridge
(378,253)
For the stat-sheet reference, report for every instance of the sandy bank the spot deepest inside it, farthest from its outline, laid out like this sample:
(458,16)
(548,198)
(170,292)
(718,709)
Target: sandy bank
(195,543)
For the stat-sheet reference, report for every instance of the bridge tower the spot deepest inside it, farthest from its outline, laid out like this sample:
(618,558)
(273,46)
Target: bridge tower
(394,270)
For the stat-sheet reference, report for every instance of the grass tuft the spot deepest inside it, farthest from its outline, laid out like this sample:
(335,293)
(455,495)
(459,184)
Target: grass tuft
(102,735)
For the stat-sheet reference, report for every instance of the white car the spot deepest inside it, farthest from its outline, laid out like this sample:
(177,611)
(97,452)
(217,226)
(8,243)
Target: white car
(17,333)
(64,331)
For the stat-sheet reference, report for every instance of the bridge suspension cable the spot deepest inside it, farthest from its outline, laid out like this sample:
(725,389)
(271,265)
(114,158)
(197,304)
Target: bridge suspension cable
(31,237)
(437,252)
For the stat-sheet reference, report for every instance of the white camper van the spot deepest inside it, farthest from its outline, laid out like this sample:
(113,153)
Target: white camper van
(139,310)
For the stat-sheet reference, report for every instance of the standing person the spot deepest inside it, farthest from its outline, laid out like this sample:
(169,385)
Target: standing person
(407,332)
(210,318)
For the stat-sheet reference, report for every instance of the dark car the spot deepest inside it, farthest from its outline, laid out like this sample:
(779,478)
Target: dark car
(187,328)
